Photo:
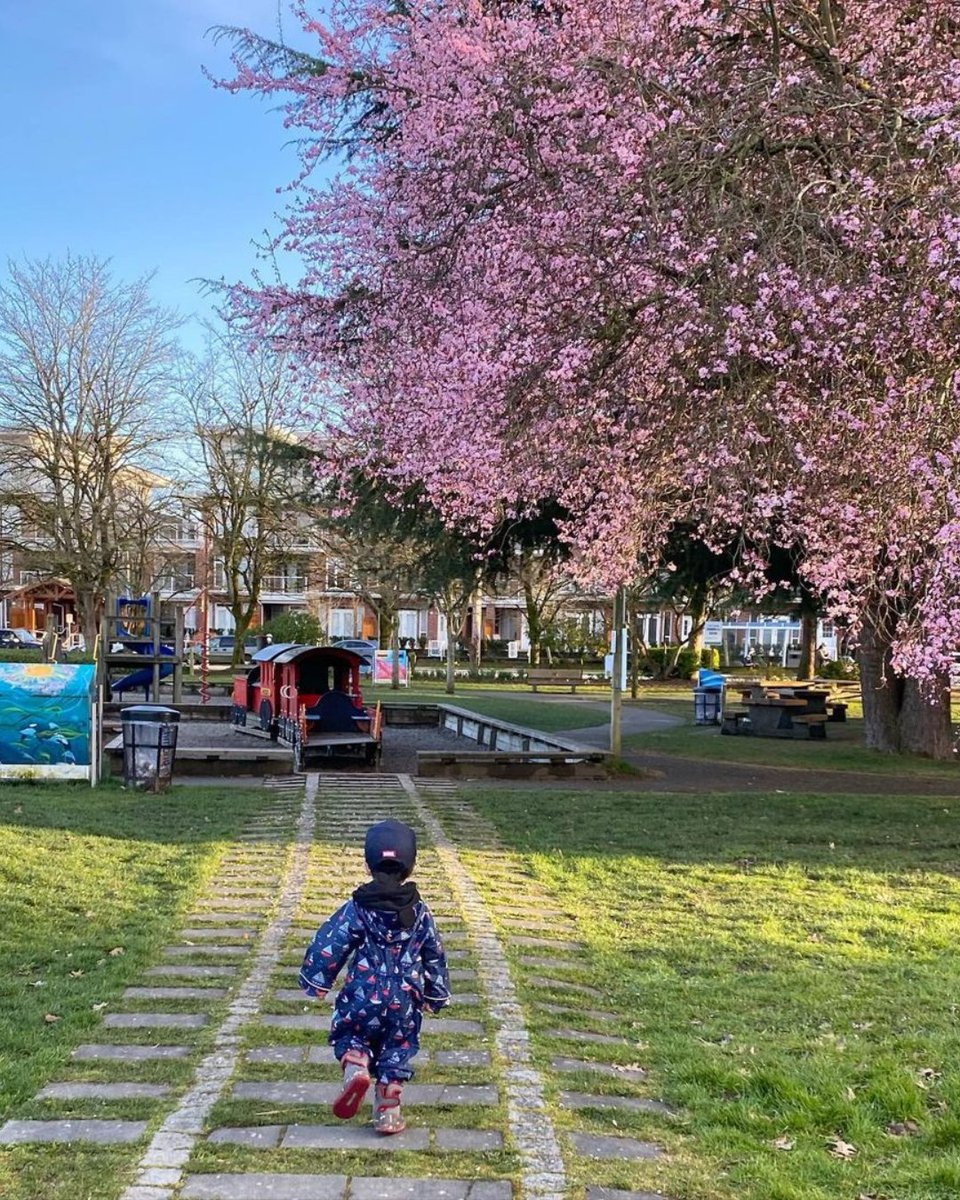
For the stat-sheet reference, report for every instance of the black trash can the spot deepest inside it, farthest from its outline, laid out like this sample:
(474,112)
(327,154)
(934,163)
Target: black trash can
(149,746)
(707,705)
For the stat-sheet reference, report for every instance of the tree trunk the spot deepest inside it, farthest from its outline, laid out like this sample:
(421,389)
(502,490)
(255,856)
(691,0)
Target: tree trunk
(90,606)
(898,716)
(806,668)
(696,611)
(395,652)
(453,615)
(476,641)
(534,628)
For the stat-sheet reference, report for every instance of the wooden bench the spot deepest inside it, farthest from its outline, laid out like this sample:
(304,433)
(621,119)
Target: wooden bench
(570,677)
(813,726)
(837,710)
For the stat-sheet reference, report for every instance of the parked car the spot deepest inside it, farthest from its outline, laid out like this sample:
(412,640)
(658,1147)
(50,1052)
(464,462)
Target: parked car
(366,649)
(225,643)
(24,639)
(9,640)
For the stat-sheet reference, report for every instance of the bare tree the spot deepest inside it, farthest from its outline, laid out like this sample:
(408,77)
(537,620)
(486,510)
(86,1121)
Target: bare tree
(85,367)
(249,486)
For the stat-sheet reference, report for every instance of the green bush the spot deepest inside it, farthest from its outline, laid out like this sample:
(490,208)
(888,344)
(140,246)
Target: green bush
(659,661)
(840,668)
(710,658)
(296,626)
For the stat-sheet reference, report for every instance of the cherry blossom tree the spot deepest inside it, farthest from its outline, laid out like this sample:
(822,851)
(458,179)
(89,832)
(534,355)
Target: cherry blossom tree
(661,261)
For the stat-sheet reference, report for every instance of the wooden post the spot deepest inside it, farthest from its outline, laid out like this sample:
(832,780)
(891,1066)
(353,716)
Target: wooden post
(155,627)
(178,656)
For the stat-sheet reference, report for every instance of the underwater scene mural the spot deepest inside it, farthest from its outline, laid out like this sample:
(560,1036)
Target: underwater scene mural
(46,711)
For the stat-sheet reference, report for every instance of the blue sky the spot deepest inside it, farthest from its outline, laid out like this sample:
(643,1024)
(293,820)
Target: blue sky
(114,144)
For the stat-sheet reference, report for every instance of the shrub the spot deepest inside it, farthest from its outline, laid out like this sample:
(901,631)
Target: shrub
(841,668)
(296,626)
(710,658)
(659,661)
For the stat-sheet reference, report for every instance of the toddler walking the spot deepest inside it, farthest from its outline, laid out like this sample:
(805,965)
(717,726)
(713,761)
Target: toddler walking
(398,968)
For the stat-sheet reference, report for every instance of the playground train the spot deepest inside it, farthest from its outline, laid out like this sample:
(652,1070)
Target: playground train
(308,698)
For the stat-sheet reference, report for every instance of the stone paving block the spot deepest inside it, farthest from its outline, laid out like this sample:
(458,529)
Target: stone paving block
(602,1193)
(400,1188)
(189,971)
(352,1137)
(174,993)
(634,1103)
(459,1058)
(562,985)
(212,935)
(461,974)
(281,1054)
(205,951)
(464,999)
(594,1014)
(254,1137)
(517,939)
(428,1094)
(324,1055)
(319,1024)
(224,918)
(550,964)
(104,1091)
(451,1025)
(102,1132)
(131,1053)
(293,996)
(149,1020)
(634,1074)
(471,1140)
(595,1145)
(583,1035)
(255,1186)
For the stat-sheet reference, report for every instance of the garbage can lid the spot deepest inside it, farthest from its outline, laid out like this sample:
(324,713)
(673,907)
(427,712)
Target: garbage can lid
(157,713)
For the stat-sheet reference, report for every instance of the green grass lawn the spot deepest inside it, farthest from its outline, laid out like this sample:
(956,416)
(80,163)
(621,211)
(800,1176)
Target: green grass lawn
(788,966)
(92,883)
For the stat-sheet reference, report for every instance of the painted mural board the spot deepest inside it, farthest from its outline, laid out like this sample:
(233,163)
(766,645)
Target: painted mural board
(383,668)
(46,720)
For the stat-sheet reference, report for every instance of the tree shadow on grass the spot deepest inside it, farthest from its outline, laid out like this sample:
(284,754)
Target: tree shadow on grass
(182,814)
(878,833)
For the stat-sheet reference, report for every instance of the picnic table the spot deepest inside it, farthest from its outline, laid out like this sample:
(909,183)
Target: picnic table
(783,710)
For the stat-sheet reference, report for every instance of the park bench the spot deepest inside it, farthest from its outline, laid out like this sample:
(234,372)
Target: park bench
(570,677)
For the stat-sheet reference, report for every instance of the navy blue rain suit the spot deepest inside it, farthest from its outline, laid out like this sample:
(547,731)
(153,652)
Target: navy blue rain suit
(394,973)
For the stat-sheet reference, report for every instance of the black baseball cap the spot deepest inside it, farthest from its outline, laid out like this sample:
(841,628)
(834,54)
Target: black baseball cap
(390,842)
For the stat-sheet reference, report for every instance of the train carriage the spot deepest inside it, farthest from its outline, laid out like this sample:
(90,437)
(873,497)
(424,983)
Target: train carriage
(308,698)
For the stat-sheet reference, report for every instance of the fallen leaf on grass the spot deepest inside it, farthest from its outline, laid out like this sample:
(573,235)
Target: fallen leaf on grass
(77,974)
(99,1007)
(850,1094)
(903,1128)
(50,1018)
(784,1143)
(116,951)
(927,1075)
(39,983)
(19,809)
(841,1149)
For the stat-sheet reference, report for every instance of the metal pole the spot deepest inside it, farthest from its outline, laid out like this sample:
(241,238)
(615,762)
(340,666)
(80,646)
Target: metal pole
(616,682)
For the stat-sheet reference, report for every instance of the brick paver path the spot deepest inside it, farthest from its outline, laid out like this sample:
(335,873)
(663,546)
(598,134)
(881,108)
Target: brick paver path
(253,1121)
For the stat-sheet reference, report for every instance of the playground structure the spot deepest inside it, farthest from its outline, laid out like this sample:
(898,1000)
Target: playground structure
(308,698)
(150,644)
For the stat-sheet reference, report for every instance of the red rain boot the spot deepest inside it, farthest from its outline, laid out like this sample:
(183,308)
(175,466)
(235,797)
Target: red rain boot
(356,1080)
(387,1117)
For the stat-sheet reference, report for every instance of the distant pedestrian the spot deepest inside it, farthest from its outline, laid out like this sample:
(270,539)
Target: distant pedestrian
(397,969)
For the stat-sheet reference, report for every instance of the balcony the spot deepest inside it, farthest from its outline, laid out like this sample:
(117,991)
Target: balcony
(181,581)
(288,586)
